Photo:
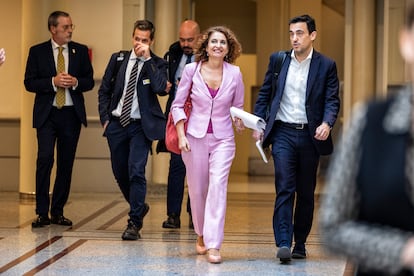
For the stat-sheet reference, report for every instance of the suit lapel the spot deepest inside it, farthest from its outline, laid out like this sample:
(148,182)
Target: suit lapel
(226,79)
(71,58)
(313,72)
(50,58)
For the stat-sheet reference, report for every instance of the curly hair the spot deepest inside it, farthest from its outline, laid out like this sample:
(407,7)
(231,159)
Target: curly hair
(233,44)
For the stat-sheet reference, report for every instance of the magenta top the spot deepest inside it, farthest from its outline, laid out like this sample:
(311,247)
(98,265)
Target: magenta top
(213,94)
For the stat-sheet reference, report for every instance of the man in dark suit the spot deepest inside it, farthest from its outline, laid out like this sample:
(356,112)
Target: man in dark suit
(179,54)
(132,118)
(58,112)
(302,114)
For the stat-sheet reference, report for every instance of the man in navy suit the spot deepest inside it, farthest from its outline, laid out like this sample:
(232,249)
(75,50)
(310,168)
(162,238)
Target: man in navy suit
(130,134)
(57,122)
(302,114)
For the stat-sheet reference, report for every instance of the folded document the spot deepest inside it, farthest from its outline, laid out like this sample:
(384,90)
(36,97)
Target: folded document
(264,153)
(249,120)
(254,122)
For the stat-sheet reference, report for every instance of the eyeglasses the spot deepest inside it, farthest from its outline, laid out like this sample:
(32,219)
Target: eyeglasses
(66,27)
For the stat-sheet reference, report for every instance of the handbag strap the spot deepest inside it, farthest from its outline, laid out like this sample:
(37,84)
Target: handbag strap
(191,87)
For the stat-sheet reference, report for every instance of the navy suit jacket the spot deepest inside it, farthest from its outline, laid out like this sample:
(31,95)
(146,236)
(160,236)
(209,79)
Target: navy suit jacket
(322,97)
(40,69)
(152,81)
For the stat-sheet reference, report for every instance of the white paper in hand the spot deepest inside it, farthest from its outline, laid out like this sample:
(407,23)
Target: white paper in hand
(249,120)
(261,151)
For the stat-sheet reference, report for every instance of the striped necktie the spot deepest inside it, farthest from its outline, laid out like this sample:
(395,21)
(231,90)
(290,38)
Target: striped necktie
(125,117)
(60,93)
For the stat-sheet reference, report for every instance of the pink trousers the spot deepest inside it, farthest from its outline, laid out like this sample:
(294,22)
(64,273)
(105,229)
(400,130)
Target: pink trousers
(208,167)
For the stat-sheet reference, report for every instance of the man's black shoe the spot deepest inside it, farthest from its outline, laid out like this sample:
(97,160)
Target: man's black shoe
(41,221)
(299,251)
(173,221)
(284,254)
(61,220)
(131,232)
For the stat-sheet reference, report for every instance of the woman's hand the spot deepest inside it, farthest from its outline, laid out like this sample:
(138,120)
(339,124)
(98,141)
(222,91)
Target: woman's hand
(239,124)
(183,143)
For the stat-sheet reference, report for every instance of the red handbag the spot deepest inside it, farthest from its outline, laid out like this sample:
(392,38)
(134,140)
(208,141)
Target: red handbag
(171,136)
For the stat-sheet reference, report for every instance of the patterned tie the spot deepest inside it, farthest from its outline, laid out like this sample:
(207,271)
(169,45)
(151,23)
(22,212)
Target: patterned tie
(125,117)
(60,93)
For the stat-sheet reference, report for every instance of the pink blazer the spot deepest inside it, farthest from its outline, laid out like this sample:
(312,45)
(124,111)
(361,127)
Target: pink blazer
(231,93)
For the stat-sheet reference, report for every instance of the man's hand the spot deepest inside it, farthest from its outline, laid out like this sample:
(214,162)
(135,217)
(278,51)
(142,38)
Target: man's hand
(168,87)
(64,80)
(257,135)
(322,132)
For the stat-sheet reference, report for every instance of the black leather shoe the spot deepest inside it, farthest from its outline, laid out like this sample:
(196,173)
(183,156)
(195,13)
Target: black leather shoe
(61,220)
(173,221)
(299,251)
(284,254)
(131,232)
(41,221)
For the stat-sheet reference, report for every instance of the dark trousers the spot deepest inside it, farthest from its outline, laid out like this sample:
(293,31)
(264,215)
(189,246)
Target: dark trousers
(129,149)
(62,129)
(296,162)
(175,187)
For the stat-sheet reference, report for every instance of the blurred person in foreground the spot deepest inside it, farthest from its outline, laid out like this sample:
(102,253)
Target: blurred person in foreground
(208,147)
(367,213)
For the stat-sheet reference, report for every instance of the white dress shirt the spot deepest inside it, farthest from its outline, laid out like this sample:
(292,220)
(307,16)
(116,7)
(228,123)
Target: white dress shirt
(292,106)
(135,114)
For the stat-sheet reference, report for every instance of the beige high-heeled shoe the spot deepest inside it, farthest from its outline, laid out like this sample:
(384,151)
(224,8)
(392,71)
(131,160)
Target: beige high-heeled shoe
(200,247)
(214,256)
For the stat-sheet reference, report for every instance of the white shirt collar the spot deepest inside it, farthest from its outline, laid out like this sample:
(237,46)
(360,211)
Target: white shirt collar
(292,55)
(55,45)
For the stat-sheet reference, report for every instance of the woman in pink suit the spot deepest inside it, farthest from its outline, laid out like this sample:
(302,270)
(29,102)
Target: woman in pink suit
(208,146)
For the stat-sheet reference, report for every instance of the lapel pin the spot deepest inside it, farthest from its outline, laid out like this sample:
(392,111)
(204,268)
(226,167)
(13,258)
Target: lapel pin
(73,51)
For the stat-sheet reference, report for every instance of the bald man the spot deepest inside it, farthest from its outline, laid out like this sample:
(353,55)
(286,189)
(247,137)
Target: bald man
(179,54)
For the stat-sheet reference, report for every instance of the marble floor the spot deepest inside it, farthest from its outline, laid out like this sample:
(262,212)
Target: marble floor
(93,245)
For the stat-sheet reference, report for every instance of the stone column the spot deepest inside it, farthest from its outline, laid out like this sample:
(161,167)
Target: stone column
(34,30)
(360,53)
(166,25)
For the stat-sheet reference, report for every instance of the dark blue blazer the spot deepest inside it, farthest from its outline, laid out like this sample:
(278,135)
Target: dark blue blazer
(40,69)
(322,97)
(152,81)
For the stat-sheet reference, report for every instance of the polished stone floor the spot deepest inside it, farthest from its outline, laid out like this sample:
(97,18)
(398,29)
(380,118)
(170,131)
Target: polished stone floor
(93,246)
